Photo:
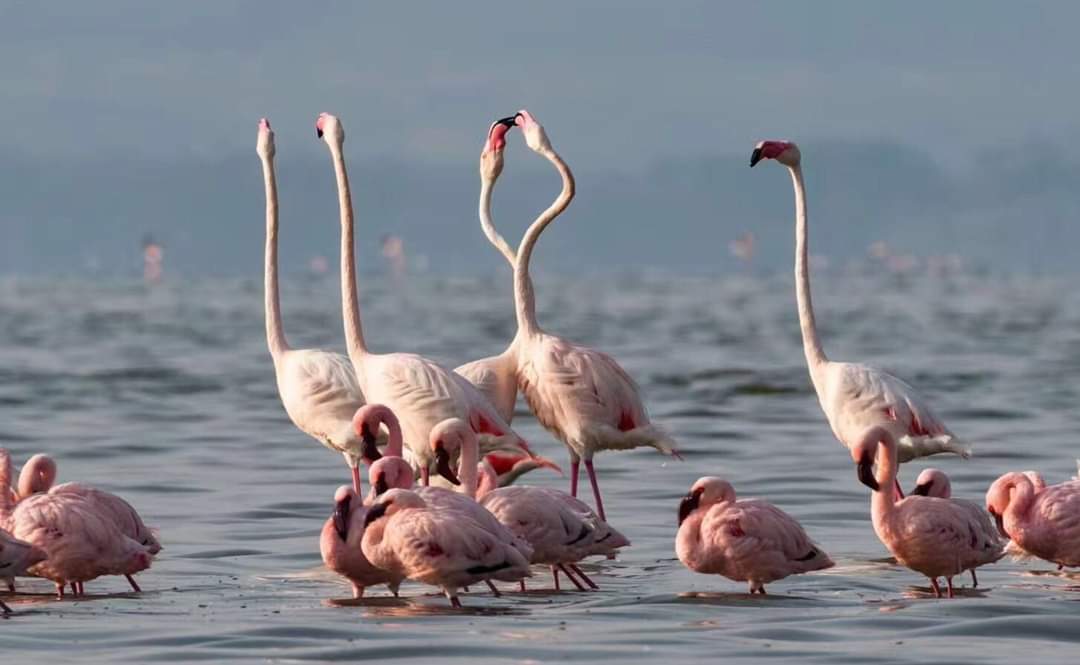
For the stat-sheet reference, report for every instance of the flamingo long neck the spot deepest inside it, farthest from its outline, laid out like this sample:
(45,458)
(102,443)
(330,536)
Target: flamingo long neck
(394,443)
(1021,496)
(350,301)
(275,330)
(524,298)
(469,459)
(883,501)
(487,187)
(815,355)
(38,475)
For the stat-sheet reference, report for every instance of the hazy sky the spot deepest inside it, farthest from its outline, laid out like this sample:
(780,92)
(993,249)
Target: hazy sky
(621,86)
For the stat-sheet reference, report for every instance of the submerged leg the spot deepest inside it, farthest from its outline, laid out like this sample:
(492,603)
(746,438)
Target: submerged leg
(493,588)
(935,587)
(974,580)
(948,580)
(454,601)
(570,576)
(595,489)
(555,576)
(581,573)
(4,609)
(133,583)
(575,471)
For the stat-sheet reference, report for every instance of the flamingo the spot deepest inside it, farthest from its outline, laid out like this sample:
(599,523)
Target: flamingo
(15,557)
(1042,522)
(341,541)
(855,397)
(419,391)
(579,394)
(317,388)
(932,536)
(445,548)
(747,540)
(935,483)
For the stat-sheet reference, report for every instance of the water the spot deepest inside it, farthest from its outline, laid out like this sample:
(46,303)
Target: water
(166,395)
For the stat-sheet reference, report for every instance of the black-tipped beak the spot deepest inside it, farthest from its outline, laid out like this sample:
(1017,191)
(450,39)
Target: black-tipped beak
(1000,520)
(866,474)
(442,465)
(380,485)
(508,121)
(318,132)
(688,505)
(922,489)
(374,513)
(368,450)
(755,157)
(341,518)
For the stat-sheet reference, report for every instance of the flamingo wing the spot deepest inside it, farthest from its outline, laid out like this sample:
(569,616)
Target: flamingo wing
(320,393)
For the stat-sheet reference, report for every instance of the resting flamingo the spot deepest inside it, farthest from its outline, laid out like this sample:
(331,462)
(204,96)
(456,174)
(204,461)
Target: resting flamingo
(16,556)
(419,391)
(749,540)
(579,394)
(444,548)
(341,541)
(1042,522)
(318,388)
(935,483)
(854,397)
(935,537)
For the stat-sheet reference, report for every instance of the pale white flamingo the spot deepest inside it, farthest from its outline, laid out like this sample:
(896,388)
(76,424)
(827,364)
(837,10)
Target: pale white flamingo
(419,391)
(935,483)
(749,540)
(932,536)
(16,556)
(318,388)
(444,548)
(855,397)
(1042,522)
(579,394)
(341,541)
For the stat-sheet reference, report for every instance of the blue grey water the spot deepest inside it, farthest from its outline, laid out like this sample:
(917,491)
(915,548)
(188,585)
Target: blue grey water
(166,395)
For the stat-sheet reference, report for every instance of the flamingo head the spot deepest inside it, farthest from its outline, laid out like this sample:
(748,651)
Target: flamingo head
(535,136)
(785,152)
(705,492)
(933,482)
(366,423)
(264,145)
(390,473)
(329,129)
(864,454)
(392,502)
(1000,495)
(491,157)
(344,500)
(449,437)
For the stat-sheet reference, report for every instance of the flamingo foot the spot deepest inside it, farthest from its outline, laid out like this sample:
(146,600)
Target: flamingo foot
(974,580)
(570,576)
(494,589)
(136,589)
(455,602)
(4,609)
(575,471)
(935,587)
(581,573)
(595,488)
(356,480)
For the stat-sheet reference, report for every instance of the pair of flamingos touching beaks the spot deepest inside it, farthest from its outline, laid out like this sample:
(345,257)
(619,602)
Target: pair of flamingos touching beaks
(579,394)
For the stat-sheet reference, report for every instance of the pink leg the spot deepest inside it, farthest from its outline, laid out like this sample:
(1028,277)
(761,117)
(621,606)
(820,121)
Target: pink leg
(974,580)
(356,480)
(575,470)
(570,576)
(134,585)
(555,576)
(595,488)
(425,480)
(75,588)
(522,582)
(494,589)
(935,587)
(948,580)
(455,603)
(581,573)
(59,590)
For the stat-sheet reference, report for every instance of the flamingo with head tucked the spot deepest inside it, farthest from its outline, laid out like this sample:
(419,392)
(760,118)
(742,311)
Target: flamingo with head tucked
(419,391)
(854,397)
(341,541)
(1042,522)
(318,388)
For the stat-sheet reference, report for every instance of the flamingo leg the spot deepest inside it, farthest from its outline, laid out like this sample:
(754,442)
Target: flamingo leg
(555,576)
(935,587)
(522,582)
(455,602)
(974,580)
(575,470)
(356,480)
(595,488)
(948,581)
(59,590)
(581,573)
(425,476)
(133,583)
(75,588)
(570,576)
(493,588)
(11,585)
(4,608)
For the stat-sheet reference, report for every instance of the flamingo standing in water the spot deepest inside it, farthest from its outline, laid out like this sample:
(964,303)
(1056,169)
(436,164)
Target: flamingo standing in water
(748,540)
(1041,521)
(341,541)
(935,483)
(419,391)
(579,394)
(855,397)
(936,537)
(318,388)
(15,557)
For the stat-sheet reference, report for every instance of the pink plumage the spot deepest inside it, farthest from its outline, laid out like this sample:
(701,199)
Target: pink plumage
(1043,522)
(16,556)
(340,545)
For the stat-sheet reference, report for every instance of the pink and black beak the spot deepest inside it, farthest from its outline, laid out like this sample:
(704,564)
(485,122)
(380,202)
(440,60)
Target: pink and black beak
(341,517)
(866,472)
(756,157)
(375,512)
(1000,520)
(369,451)
(380,485)
(689,504)
(442,464)
(922,489)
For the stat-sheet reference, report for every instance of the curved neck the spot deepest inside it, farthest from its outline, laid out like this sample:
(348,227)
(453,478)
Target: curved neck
(468,460)
(38,475)
(350,301)
(1021,496)
(394,445)
(524,299)
(493,236)
(275,331)
(884,499)
(815,355)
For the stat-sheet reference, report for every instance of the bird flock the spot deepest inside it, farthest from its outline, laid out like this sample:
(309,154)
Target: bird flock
(441,455)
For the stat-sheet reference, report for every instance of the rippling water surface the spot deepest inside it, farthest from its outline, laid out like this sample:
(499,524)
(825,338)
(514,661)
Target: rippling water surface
(167,396)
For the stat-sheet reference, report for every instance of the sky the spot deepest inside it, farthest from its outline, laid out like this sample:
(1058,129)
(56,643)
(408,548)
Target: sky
(126,118)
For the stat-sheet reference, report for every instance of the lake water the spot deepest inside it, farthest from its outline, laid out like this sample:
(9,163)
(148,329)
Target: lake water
(166,395)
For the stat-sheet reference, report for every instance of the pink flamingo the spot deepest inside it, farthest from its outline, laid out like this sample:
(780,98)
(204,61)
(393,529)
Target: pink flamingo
(508,467)
(855,397)
(748,540)
(341,545)
(16,556)
(318,389)
(579,394)
(934,482)
(420,392)
(1042,522)
(444,548)
(932,536)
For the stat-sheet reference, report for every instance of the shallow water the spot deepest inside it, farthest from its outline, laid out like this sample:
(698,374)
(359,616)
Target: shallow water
(167,396)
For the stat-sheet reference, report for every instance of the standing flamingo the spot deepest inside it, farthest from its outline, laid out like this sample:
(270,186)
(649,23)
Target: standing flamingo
(935,483)
(419,391)
(580,395)
(15,557)
(341,541)
(1042,522)
(318,389)
(855,397)
(748,540)
(936,537)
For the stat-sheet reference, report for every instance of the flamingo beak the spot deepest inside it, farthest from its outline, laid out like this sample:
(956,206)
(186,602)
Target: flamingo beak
(380,485)
(922,489)
(508,121)
(374,513)
(369,451)
(688,505)
(341,517)
(755,157)
(866,473)
(1000,520)
(442,465)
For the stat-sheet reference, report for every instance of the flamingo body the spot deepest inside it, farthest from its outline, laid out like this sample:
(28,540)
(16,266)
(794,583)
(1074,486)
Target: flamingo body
(341,542)
(1042,522)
